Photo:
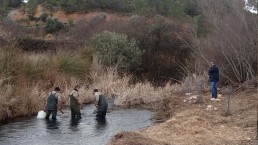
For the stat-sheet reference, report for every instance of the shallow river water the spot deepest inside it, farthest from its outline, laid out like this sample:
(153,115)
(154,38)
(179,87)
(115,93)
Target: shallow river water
(88,131)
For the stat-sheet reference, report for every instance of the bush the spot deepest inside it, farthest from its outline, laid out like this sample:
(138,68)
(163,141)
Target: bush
(53,25)
(71,65)
(165,51)
(115,49)
(34,71)
(43,17)
(70,22)
(31,8)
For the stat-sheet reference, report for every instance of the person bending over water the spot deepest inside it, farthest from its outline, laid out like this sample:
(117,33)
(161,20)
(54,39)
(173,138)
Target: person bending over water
(52,103)
(101,105)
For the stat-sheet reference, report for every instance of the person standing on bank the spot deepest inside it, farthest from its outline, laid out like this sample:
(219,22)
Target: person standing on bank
(101,105)
(214,79)
(75,104)
(52,103)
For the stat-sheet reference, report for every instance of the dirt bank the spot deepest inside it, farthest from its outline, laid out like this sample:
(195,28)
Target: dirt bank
(19,14)
(195,124)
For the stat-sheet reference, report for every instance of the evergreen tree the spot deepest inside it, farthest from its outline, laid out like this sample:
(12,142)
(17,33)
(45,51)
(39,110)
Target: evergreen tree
(177,9)
(15,3)
(4,9)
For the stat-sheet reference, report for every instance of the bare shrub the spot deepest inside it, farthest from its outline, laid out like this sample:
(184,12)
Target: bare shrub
(194,83)
(83,30)
(128,94)
(13,29)
(232,43)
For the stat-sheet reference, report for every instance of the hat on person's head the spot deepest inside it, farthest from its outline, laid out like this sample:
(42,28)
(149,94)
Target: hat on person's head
(95,90)
(57,88)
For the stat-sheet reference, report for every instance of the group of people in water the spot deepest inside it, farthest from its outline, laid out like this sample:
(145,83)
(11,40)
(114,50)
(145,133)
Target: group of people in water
(52,104)
(101,102)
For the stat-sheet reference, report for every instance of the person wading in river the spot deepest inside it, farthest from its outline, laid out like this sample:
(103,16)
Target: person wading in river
(74,103)
(101,105)
(52,103)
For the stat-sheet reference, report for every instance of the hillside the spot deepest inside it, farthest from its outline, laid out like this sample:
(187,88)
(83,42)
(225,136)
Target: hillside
(18,14)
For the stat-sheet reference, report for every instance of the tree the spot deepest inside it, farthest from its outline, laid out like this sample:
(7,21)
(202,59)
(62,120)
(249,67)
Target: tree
(4,9)
(140,6)
(115,49)
(31,7)
(177,9)
(233,40)
(15,3)
(53,25)
(191,7)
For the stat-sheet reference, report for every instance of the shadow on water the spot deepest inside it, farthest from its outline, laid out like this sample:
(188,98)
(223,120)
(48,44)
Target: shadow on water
(52,124)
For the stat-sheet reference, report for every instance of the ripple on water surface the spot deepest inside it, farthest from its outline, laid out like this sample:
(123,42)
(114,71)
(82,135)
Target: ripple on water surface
(87,132)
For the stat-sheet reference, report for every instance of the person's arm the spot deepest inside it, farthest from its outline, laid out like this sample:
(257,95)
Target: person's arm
(211,70)
(76,96)
(59,98)
(97,101)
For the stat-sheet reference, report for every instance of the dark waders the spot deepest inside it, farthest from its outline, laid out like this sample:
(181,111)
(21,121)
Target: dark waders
(102,108)
(52,106)
(75,109)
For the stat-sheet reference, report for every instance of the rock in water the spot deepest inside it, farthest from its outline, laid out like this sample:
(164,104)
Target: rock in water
(41,114)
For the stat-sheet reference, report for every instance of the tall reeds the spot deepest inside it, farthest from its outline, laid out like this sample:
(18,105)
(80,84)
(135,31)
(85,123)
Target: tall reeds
(26,78)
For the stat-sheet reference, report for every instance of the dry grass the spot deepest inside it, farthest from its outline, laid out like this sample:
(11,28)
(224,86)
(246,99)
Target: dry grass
(133,138)
(196,127)
(127,94)
(25,85)
(192,124)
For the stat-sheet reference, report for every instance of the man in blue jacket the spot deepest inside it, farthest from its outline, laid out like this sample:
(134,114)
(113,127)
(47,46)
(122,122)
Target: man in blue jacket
(214,79)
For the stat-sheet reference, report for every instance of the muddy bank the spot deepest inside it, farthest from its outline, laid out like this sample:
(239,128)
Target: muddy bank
(133,138)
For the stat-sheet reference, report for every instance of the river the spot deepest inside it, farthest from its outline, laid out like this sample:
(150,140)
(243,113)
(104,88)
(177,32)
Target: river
(33,131)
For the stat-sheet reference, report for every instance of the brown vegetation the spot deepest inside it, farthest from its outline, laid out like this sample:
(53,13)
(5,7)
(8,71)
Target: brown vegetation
(193,124)
(133,138)
(27,77)
(232,43)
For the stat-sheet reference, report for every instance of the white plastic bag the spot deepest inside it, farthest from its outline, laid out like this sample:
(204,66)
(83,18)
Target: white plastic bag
(41,114)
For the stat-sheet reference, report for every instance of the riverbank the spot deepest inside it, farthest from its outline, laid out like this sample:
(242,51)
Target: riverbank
(198,124)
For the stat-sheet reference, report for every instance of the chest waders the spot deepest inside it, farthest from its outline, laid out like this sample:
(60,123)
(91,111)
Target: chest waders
(75,108)
(102,107)
(52,106)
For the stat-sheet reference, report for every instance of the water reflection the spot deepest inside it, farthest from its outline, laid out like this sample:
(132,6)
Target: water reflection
(52,124)
(74,125)
(87,131)
(101,124)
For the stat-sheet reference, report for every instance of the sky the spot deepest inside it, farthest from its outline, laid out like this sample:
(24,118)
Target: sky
(250,8)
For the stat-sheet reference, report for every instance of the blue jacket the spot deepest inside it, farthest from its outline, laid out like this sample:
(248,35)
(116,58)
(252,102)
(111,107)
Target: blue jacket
(214,74)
